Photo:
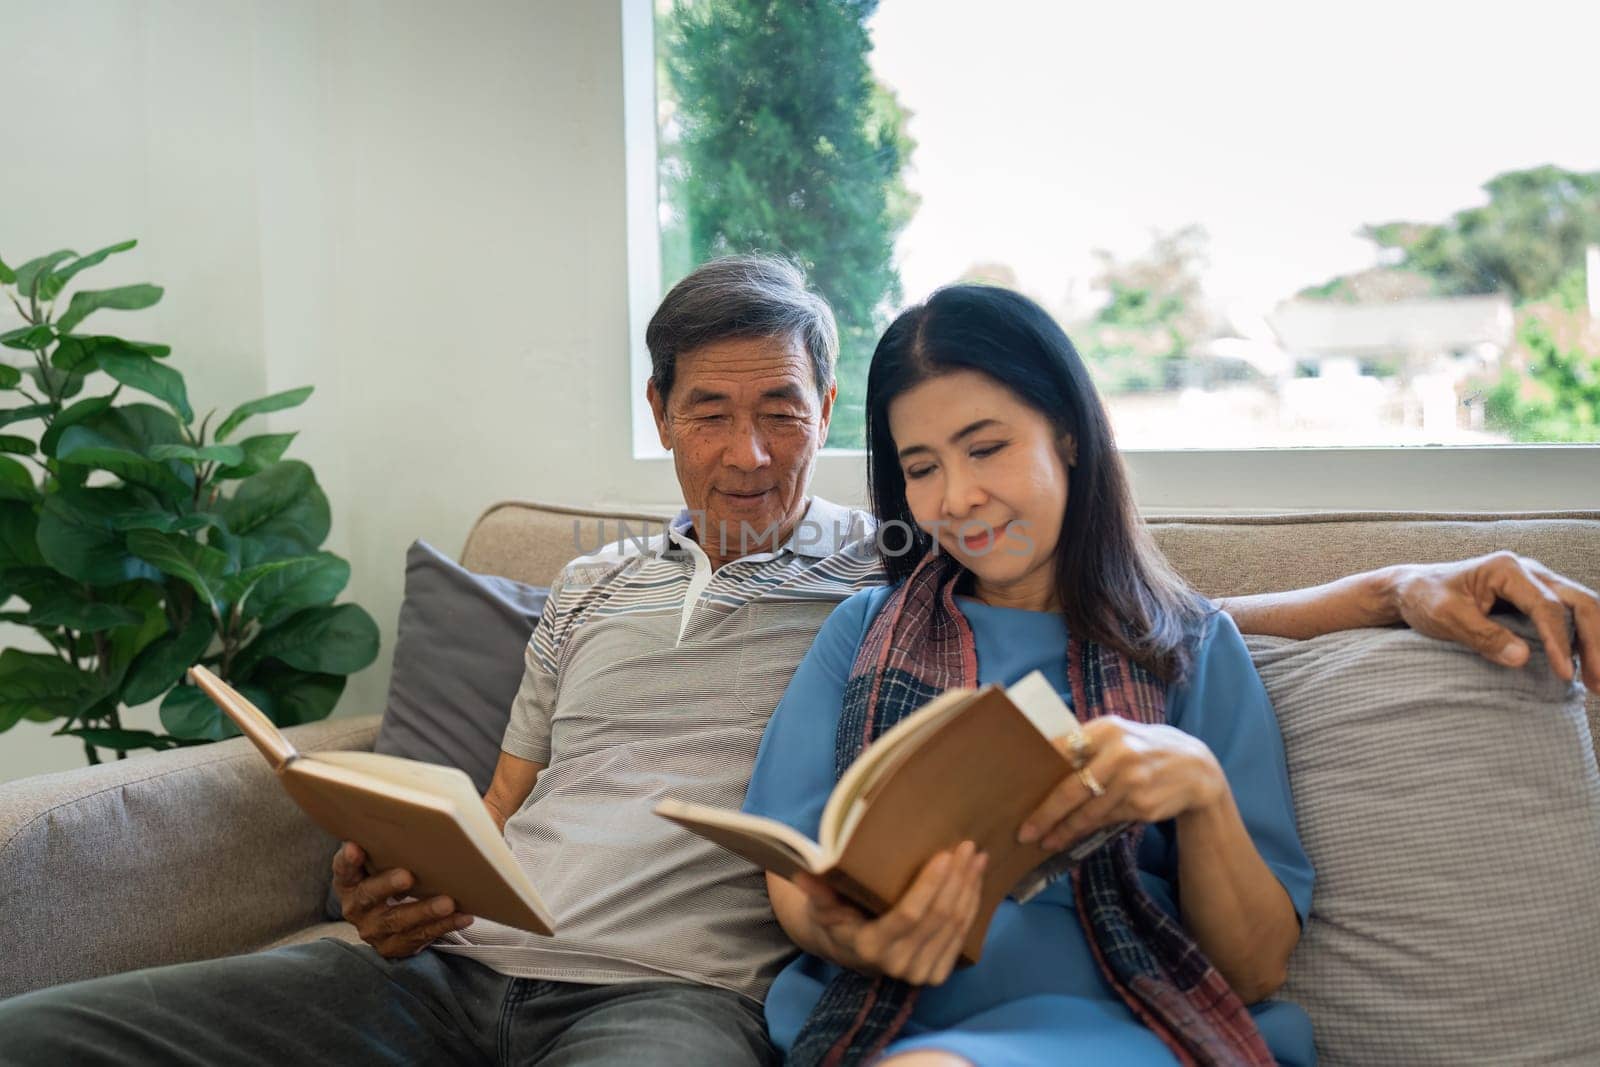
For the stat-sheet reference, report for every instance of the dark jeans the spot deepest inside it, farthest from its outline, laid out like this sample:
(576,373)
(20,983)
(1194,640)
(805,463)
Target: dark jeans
(338,1003)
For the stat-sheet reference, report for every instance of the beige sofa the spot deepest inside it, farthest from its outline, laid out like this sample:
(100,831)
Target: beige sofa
(196,853)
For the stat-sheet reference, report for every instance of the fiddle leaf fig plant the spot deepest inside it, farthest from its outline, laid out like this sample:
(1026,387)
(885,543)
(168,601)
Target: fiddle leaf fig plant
(136,543)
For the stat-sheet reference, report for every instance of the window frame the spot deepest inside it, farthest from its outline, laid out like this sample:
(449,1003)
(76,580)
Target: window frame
(1457,478)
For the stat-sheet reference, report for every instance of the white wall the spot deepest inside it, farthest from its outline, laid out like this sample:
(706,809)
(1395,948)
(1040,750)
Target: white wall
(418,208)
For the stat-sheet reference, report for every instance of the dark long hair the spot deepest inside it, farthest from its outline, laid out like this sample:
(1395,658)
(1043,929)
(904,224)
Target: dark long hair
(1114,585)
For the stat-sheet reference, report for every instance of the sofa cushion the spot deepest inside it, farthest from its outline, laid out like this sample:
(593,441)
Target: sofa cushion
(1236,555)
(458,661)
(531,542)
(1221,555)
(1451,809)
(188,854)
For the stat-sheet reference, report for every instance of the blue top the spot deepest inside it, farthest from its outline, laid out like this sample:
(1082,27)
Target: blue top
(1038,995)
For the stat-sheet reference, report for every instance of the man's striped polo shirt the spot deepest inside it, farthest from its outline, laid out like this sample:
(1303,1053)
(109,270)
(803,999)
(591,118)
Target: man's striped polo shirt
(648,676)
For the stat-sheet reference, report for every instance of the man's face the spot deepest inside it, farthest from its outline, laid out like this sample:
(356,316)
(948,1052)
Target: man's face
(743,423)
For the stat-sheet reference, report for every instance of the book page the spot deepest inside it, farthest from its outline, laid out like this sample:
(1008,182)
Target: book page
(1037,699)
(447,782)
(768,843)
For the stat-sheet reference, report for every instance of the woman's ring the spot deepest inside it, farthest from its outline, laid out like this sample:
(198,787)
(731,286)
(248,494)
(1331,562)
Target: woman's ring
(1079,743)
(1094,787)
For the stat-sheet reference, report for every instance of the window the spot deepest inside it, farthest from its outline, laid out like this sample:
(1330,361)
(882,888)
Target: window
(1264,229)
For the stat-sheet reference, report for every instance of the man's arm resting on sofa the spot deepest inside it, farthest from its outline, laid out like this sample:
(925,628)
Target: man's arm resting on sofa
(406,928)
(1450,601)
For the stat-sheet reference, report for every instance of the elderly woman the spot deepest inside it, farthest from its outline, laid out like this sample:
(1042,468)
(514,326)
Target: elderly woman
(987,439)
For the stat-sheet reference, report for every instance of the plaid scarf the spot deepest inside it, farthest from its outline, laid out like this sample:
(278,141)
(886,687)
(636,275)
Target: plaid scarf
(920,645)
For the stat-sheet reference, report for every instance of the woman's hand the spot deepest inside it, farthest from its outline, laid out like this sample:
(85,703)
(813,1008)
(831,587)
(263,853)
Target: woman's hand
(1147,773)
(1237,910)
(918,941)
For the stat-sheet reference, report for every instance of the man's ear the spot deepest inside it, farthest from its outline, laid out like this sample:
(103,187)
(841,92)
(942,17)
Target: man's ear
(658,408)
(827,413)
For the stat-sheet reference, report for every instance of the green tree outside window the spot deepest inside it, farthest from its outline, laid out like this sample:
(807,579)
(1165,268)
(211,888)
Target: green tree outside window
(778,139)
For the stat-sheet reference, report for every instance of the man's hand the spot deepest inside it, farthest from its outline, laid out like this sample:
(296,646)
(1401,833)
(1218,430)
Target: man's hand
(1451,601)
(919,940)
(400,929)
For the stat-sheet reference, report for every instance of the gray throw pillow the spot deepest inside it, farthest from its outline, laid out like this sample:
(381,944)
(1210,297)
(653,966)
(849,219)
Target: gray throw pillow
(1451,809)
(458,661)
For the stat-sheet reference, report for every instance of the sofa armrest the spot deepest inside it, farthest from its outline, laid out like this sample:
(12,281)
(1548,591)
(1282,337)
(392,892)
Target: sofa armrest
(187,854)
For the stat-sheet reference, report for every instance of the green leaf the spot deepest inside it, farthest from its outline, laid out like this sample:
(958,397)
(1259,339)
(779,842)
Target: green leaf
(128,642)
(29,338)
(82,347)
(220,539)
(65,274)
(338,639)
(120,439)
(35,582)
(83,355)
(15,445)
(10,377)
(166,521)
(146,375)
(7,275)
(66,476)
(29,272)
(19,535)
(162,664)
(260,452)
(78,536)
(36,683)
(88,301)
(201,566)
(299,696)
(280,512)
(15,481)
(210,453)
(88,447)
(310,581)
(123,740)
(85,616)
(276,402)
(82,411)
(75,355)
(27,411)
(237,589)
(188,713)
(55,382)
(97,704)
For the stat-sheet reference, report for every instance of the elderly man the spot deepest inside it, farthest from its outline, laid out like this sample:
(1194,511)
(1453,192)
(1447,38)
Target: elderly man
(653,671)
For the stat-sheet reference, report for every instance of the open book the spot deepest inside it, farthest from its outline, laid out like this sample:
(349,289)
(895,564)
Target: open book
(429,820)
(969,765)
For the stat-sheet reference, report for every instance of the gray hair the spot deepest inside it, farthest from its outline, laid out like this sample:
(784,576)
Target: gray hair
(750,296)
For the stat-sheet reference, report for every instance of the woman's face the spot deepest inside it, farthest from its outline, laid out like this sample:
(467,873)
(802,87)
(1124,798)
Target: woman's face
(985,476)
